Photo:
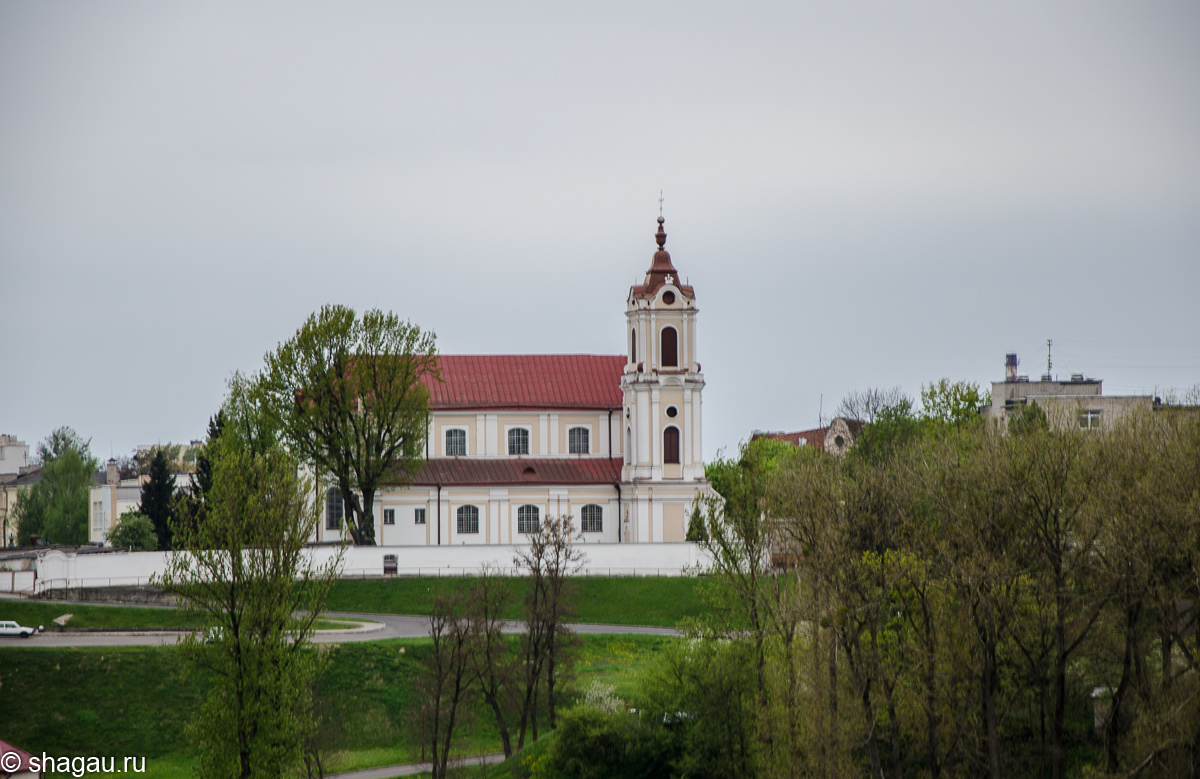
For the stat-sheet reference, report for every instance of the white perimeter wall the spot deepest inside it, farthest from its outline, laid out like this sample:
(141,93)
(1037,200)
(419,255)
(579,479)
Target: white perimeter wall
(62,569)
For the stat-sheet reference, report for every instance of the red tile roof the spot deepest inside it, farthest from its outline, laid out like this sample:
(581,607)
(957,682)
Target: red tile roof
(811,437)
(527,381)
(815,437)
(467,471)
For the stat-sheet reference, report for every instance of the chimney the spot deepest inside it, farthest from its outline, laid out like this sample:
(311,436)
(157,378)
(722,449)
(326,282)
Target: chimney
(114,475)
(1010,367)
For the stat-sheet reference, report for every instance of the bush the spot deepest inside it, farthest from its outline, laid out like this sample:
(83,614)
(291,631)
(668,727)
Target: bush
(591,743)
(133,531)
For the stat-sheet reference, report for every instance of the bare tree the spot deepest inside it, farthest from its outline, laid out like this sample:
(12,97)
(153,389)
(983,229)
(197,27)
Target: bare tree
(490,657)
(549,560)
(448,682)
(866,405)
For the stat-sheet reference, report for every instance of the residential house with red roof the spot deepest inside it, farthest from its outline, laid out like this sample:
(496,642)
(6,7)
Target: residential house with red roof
(836,438)
(613,441)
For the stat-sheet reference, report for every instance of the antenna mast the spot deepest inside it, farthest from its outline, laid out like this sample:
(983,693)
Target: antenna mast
(1049,361)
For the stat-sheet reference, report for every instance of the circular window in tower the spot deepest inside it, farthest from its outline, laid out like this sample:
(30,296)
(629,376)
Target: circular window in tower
(668,297)
(839,441)
(672,412)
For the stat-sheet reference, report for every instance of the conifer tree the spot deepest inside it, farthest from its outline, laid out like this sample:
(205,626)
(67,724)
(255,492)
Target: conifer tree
(157,494)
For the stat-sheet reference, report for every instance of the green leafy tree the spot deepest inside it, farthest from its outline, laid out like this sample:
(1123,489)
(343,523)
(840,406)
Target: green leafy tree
(55,509)
(158,497)
(247,568)
(347,395)
(145,457)
(753,597)
(60,441)
(951,402)
(133,531)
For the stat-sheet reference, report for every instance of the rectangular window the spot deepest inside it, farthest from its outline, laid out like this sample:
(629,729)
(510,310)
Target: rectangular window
(468,519)
(527,519)
(671,446)
(456,443)
(98,515)
(1089,419)
(335,509)
(419,517)
(577,440)
(518,441)
(389,516)
(592,519)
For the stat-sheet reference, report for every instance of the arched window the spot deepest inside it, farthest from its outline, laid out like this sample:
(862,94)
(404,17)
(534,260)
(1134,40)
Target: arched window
(629,444)
(633,344)
(527,519)
(518,441)
(592,518)
(468,519)
(577,440)
(671,445)
(456,443)
(335,509)
(670,348)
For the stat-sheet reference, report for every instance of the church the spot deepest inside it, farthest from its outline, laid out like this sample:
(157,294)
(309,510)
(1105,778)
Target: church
(613,441)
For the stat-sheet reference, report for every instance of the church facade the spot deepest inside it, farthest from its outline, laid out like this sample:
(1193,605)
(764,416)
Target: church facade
(613,441)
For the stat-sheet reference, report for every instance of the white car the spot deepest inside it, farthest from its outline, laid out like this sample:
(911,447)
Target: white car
(9,628)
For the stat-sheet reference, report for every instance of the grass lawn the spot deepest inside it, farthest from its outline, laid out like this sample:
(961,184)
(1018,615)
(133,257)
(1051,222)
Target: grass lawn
(87,616)
(136,701)
(34,613)
(655,601)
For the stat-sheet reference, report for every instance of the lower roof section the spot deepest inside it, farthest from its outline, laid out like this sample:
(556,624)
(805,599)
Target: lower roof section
(478,471)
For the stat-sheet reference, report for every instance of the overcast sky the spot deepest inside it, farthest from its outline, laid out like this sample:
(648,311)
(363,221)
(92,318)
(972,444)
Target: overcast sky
(863,194)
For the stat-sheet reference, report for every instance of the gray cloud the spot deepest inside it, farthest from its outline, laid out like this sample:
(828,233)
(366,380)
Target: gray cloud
(862,194)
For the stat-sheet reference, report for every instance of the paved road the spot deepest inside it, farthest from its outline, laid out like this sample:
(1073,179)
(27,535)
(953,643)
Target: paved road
(388,771)
(375,627)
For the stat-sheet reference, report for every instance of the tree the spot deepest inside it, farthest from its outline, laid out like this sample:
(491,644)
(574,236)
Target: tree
(202,479)
(490,656)
(127,466)
(548,560)
(145,457)
(158,498)
(195,498)
(1055,476)
(348,395)
(740,536)
(56,508)
(950,402)
(60,441)
(246,567)
(133,531)
(448,682)
(866,405)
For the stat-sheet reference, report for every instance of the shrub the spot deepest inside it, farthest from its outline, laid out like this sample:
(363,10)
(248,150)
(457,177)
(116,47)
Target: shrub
(133,531)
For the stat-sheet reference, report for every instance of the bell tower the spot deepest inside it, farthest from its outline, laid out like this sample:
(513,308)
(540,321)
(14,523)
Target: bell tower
(662,382)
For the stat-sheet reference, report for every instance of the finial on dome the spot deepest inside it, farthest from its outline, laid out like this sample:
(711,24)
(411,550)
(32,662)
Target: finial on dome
(661,235)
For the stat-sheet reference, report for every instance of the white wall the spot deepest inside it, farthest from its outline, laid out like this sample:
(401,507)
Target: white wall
(56,569)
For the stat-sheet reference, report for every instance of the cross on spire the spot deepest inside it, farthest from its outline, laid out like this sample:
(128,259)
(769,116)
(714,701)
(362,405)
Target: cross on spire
(660,202)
